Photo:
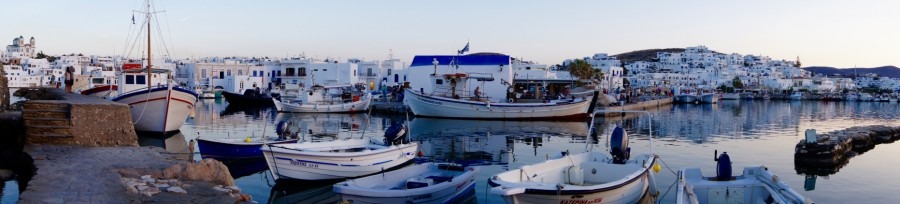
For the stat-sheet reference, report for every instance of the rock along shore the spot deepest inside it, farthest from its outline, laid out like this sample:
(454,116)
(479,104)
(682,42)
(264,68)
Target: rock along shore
(75,174)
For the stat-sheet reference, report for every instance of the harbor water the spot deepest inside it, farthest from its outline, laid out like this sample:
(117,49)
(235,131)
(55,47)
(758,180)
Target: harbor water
(685,135)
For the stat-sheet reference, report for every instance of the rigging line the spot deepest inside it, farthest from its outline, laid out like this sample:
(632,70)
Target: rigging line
(161,38)
(169,31)
(137,40)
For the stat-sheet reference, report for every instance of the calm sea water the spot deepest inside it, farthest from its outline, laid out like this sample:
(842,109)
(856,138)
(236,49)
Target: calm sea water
(752,132)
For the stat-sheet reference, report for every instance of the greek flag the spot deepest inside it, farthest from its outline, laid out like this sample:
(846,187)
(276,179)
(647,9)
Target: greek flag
(132,18)
(464,50)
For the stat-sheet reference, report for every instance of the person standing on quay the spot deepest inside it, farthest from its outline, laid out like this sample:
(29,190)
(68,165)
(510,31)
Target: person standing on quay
(70,79)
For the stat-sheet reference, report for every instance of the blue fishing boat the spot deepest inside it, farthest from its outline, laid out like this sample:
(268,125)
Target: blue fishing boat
(235,148)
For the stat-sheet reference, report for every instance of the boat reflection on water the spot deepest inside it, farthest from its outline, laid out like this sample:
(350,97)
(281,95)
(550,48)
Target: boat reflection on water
(244,166)
(304,192)
(173,142)
(254,112)
(486,142)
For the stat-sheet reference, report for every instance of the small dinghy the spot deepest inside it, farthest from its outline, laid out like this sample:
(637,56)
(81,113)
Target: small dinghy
(590,177)
(756,185)
(422,183)
(335,159)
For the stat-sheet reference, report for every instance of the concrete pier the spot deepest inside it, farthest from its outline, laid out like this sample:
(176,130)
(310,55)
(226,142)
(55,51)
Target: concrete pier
(75,119)
(834,148)
(615,111)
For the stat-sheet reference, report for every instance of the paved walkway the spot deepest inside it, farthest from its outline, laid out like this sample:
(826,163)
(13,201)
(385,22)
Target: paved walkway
(71,174)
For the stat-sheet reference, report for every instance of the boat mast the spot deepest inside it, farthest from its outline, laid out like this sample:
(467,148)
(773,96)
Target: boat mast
(149,16)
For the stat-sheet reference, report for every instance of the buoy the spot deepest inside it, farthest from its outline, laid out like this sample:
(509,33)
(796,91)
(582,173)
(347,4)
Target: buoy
(420,154)
(656,168)
(248,140)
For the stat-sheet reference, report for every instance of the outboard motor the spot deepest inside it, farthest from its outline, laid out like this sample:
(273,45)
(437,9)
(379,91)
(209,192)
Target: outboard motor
(723,167)
(618,143)
(283,129)
(394,134)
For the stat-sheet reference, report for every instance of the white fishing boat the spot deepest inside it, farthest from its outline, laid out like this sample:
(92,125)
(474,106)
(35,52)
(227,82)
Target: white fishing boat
(866,97)
(421,183)
(159,107)
(709,98)
(450,100)
(756,185)
(796,96)
(325,99)
(589,177)
(686,98)
(336,159)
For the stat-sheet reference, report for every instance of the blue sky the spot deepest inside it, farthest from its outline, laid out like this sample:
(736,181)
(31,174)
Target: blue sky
(831,33)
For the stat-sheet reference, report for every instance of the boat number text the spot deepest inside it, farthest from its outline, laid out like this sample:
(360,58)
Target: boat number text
(596,200)
(299,163)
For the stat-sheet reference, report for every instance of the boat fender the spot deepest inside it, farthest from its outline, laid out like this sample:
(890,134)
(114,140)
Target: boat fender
(576,175)
(518,95)
(723,167)
(510,100)
(488,103)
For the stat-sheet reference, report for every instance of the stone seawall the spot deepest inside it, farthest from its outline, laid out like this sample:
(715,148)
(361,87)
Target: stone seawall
(835,148)
(613,111)
(78,120)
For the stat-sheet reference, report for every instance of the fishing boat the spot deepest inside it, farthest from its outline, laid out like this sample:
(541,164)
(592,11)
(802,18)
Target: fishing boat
(236,148)
(159,107)
(336,159)
(686,98)
(590,177)
(450,100)
(709,98)
(250,97)
(796,96)
(324,99)
(756,185)
(421,183)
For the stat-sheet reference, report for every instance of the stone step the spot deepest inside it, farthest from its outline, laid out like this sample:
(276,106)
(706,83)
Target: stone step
(46,106)
(54,114)
(48,121)
(50,135)
(34,130)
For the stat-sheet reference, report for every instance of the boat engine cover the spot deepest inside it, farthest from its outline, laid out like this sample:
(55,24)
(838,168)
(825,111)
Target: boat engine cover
(723,167)
(618,144)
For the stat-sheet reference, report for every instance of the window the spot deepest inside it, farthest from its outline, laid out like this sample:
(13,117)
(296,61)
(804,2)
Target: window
(240,72)
(97,80)
(228,72)
(354,72)
(203,74)
(254,72)
(324,70)
(141,79)
(289,71)
(129,79)
(302,71)
(439,81)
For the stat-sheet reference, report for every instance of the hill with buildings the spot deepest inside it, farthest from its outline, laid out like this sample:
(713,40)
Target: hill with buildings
(647,55)
(884,71)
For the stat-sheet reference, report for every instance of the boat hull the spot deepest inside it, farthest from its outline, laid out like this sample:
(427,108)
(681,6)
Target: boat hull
(352,107)
(440,107)
(684,98)
(629,188)
(313,165)
(223,149)
(102,91)
(709,98)
(756,185)
(240,99)
(161,109)
(445,192)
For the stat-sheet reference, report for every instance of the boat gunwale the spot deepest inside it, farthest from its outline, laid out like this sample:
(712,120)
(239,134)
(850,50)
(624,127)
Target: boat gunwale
(529,190)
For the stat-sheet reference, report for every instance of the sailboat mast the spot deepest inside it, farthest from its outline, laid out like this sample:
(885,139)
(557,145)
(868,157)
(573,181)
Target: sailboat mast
(149,16)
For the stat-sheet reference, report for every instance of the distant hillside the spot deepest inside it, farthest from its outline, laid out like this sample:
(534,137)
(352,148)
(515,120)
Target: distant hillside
(885,71)
(643,55)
